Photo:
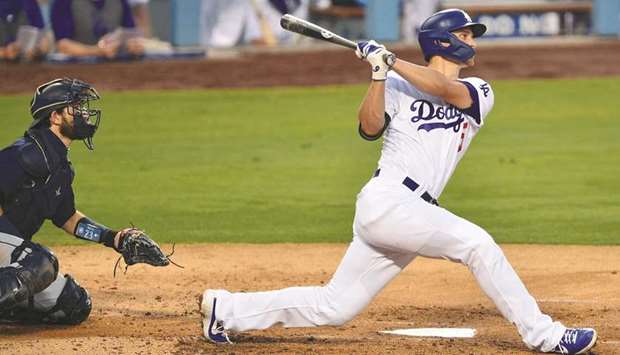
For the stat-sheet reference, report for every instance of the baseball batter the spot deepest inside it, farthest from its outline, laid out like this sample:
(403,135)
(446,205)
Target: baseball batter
(428,118)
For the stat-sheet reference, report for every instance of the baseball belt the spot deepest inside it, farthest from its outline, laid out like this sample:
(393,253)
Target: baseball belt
(413,186)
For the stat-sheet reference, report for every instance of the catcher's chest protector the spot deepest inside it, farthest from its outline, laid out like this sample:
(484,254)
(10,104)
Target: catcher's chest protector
(46,182)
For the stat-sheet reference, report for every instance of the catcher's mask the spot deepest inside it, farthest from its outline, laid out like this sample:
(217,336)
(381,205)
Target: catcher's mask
(73,93)
(437,31)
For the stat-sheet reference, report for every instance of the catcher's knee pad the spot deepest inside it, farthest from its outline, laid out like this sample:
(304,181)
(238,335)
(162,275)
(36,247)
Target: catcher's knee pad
(33,268)
(72,306)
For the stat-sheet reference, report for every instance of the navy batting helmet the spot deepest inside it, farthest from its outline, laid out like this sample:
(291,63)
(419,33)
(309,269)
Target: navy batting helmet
(437,30)
(61,93)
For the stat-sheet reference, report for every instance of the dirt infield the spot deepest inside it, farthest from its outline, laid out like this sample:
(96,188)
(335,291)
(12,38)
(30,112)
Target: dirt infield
(153,311)
(318,67)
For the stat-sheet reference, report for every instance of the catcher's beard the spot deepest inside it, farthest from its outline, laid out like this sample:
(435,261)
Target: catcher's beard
(79,129)
(66,128)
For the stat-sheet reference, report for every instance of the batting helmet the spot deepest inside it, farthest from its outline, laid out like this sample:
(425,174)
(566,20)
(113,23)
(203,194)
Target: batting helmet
(437,30)
(61,93)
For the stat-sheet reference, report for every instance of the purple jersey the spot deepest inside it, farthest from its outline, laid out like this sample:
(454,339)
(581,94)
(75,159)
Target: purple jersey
(10,12)
(63,25)
(9,9)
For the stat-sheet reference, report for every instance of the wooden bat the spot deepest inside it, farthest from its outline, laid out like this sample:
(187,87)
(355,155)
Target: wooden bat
(309,29)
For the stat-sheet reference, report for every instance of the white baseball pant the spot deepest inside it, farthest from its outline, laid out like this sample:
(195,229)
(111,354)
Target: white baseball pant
(392,226)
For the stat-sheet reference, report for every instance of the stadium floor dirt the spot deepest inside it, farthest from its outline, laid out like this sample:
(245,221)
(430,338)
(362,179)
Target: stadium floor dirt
(327,65)
(154,311)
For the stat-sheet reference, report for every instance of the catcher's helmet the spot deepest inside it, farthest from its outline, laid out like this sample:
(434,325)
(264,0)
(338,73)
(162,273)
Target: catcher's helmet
(438,29)
(61,93)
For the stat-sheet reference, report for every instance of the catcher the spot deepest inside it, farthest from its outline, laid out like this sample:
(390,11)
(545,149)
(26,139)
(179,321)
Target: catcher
(35,185)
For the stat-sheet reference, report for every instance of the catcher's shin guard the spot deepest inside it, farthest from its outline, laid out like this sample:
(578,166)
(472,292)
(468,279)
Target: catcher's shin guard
(73,306)
(12,288)
(33,268)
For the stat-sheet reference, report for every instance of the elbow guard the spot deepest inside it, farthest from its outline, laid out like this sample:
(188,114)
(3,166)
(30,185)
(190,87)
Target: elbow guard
(376,136)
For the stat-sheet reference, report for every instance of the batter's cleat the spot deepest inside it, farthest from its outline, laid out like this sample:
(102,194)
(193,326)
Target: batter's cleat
(576,341)
(212,328)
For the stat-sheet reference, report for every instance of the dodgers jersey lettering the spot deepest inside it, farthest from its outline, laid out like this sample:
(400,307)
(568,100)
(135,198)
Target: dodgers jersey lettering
(427,136)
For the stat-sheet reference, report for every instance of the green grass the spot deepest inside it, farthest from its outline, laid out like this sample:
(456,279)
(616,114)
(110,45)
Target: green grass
(285,165)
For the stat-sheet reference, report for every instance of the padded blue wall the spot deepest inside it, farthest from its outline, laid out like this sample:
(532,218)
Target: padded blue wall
(383,20)
(185,22)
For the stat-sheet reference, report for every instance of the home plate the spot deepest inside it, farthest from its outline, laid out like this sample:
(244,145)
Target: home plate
(434,332)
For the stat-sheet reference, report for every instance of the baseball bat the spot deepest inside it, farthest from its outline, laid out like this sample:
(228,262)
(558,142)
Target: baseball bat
(309,29)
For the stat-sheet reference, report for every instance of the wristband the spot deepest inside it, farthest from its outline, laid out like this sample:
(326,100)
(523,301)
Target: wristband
(94,232)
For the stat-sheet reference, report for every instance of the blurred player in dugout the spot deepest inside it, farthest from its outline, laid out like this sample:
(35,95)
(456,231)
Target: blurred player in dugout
(81,28)
(22,34)
(95,28)
(229,23)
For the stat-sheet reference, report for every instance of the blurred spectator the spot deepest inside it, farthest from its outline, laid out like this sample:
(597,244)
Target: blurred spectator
(227,23)
(99,28)
(270,12)
(142,16)
(22,31)
(414,13)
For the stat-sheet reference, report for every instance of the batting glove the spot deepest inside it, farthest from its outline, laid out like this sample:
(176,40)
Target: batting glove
(379,58)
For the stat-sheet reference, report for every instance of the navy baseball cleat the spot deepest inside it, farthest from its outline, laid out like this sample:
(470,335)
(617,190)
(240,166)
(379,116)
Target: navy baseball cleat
(212,328)
(576,341)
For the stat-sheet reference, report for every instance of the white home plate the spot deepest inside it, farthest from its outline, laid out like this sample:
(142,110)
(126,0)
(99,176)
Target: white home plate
(434,332)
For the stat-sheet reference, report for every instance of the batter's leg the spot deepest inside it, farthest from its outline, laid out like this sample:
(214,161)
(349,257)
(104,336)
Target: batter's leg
(362,273)
(411,224)
(462,241)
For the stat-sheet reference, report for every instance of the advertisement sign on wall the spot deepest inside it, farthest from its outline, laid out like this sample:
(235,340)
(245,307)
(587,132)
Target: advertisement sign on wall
(534,24)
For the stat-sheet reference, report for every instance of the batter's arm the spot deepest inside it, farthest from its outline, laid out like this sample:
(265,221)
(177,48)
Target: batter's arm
(434,83)
(371,113)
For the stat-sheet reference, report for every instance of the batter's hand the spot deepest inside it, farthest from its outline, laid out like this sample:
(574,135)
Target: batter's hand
(379,58)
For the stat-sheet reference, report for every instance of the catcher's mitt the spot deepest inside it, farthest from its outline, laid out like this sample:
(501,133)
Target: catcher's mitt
(136,247)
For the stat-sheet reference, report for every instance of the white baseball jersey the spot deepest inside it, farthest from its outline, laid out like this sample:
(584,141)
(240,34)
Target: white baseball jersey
(427,136)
